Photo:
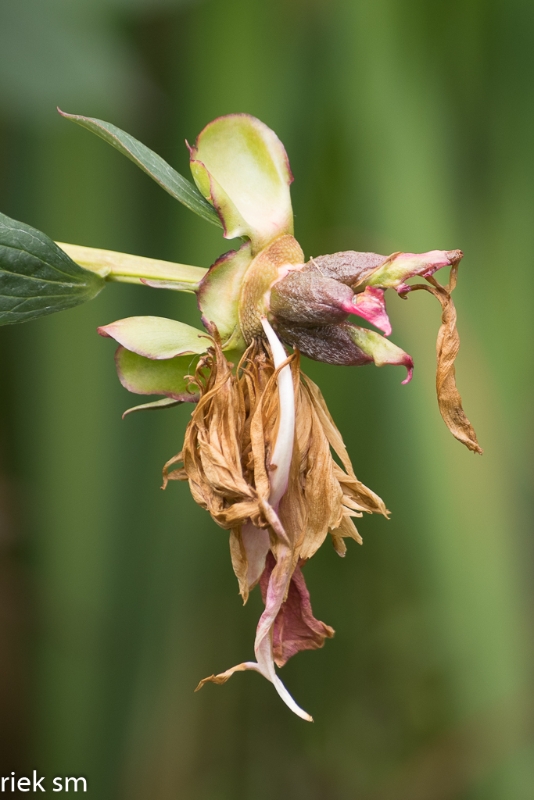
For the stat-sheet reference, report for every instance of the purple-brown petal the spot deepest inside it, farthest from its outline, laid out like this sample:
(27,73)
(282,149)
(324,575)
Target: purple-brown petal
(307,298)
(348,267)
(295,627)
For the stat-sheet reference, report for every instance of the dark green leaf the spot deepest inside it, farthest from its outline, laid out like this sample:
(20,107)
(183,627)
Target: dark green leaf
(155,166)
(36,276)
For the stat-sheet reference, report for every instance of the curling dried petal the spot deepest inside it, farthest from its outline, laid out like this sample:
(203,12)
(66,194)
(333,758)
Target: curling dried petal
(447,346)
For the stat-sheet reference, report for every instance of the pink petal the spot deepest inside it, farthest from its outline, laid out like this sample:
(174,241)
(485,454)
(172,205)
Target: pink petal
(370,305)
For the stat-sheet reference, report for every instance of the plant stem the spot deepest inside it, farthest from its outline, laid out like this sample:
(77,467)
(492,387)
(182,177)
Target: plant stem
(126,268)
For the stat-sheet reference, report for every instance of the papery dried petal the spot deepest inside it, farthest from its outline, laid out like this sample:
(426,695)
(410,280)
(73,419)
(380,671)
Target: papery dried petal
(236,436)
(347,529)
(364,498)
(447,346)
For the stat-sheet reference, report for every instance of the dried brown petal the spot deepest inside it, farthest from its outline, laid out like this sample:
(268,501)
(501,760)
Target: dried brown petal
(228,455)
(447,346)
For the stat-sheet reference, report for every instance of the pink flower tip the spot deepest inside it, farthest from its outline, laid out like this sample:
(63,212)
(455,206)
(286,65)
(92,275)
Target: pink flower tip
(408,363)
(103,331)
(370,305)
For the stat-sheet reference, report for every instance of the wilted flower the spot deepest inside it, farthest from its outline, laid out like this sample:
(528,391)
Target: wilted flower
(258,450)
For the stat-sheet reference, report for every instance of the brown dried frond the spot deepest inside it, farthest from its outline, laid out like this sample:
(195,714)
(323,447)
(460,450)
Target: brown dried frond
(226,440)
(226,459)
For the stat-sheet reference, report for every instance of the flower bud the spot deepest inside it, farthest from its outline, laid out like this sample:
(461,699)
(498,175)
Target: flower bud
(307,298)
(348,267)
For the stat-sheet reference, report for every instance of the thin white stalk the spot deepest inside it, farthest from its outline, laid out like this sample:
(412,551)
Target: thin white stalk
(257,541)
(283,448)
(280,466)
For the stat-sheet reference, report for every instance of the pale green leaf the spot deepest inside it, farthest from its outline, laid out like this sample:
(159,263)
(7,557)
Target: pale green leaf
(144,376)
(157,338)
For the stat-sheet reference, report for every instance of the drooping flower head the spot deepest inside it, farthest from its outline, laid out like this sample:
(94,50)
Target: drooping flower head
(259,448)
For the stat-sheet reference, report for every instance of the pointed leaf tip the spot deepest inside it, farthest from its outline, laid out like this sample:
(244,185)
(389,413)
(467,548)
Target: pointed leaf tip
(152,164)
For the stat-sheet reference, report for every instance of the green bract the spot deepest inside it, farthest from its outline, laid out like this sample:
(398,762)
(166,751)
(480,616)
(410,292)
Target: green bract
(156,337)
(142,375)
(241,167)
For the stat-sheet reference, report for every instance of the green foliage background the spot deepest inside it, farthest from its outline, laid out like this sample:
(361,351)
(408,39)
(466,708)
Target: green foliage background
(409,126)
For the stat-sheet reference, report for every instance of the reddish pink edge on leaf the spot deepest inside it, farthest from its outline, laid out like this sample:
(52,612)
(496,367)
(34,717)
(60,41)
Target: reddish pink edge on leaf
(409,366)
(247,116)
(210,198)
(183,397)
(219,262)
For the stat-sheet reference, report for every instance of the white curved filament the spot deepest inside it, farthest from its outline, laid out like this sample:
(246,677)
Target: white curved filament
(283,448)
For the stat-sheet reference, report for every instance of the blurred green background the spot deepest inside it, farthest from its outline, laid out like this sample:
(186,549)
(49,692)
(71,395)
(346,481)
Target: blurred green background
(409,126)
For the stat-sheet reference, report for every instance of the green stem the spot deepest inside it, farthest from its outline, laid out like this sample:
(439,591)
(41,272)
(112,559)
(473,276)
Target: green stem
(126,268)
